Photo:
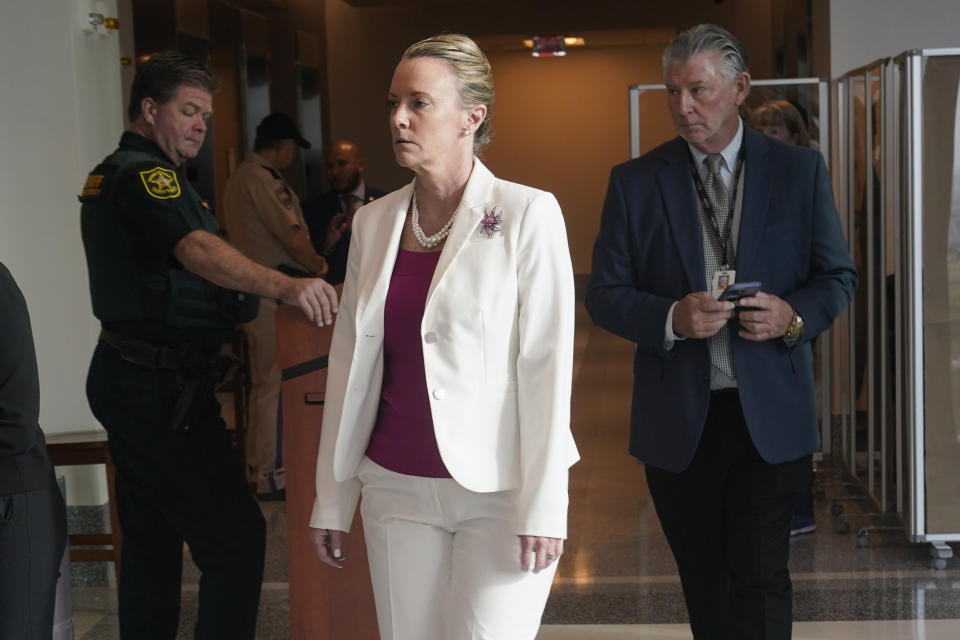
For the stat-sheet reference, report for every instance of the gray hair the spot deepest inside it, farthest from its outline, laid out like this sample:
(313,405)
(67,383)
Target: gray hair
(708,37)
(472,70)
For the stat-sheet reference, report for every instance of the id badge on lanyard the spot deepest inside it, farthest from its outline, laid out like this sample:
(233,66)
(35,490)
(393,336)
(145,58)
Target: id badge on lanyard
(724,276)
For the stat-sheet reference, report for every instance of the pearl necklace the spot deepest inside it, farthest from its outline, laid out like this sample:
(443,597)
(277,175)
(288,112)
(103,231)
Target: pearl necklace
(428,242)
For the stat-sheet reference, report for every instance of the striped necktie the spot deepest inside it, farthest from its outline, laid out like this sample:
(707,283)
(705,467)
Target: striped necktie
(720,354)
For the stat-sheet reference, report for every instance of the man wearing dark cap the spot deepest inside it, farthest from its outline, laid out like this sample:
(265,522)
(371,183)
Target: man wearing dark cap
(263,220)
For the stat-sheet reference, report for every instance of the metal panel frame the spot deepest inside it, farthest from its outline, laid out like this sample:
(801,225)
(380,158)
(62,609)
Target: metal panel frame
(825,341)
(870,177)
(917,524)
(895,170)
(880,467)
(842,332)
(901,134)
(849,397)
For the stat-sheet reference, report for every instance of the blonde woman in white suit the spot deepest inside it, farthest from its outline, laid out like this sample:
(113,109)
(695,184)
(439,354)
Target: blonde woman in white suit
(448,394)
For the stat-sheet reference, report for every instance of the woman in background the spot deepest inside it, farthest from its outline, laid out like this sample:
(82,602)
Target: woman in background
(448,396)
(779,119)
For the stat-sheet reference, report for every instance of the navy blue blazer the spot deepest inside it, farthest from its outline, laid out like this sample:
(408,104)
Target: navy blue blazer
(648,254)
(317,212)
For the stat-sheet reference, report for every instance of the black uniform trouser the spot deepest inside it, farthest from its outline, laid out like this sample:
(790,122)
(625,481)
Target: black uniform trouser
(727,520)
(33,534)
(174,487)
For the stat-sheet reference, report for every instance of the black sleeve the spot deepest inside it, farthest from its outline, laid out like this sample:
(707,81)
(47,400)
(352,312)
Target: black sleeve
(19,383)
(151,200)
(317,216)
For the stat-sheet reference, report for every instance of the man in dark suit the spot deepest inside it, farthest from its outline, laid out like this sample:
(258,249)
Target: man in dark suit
(723,404)
(330,215)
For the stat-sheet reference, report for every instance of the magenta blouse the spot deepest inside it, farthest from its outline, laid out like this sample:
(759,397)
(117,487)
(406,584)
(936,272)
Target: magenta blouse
(403,438)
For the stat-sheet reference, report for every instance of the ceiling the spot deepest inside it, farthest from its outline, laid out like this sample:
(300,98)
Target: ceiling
(387,3)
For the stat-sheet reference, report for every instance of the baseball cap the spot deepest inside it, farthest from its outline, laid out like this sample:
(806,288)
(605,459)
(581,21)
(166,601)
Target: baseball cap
(280,126)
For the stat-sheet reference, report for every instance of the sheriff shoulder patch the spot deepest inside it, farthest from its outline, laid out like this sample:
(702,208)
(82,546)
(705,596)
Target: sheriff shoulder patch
(284,197)
(161,183)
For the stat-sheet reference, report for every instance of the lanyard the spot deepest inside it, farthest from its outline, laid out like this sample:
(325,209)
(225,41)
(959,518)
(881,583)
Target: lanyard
(724,239)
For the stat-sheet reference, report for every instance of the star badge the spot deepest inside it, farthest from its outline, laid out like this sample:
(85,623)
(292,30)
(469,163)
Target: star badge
(161,183)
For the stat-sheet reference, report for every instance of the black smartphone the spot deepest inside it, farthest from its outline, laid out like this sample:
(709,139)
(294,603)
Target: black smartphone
(739,290)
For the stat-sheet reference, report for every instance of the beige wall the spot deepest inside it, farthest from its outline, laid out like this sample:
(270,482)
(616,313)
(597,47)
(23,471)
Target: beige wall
(61,113)
(862,31)
(559,124)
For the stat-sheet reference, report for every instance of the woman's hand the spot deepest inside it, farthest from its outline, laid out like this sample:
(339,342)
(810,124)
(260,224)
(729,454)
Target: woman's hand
(539,552)
(328,543)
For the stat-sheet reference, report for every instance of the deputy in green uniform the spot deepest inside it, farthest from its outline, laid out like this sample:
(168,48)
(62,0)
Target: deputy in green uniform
(167,290)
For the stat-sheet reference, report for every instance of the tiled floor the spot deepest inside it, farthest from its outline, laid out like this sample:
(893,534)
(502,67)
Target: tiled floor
(617,580)
(885,630)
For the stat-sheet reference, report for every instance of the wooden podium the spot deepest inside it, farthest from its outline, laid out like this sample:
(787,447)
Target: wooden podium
(325,603)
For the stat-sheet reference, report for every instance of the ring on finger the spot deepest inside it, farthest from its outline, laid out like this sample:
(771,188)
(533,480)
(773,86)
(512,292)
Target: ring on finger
(551,556)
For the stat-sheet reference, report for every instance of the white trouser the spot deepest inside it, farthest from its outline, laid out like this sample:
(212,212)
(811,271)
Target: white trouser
(261,442)
(445,561)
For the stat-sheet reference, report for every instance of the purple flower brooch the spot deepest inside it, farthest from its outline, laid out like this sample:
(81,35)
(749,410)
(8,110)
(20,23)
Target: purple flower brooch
(492,221)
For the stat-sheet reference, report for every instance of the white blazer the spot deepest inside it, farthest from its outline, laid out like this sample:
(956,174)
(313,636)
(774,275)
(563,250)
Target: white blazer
(497,338)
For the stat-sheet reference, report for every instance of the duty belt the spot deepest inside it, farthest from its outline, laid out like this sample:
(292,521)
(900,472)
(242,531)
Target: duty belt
(151,356)
(193,370)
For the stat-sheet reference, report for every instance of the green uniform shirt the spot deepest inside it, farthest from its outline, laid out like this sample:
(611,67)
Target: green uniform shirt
(136,208)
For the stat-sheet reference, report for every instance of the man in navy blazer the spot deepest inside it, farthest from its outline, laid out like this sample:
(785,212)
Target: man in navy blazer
(723,409)
(330,215)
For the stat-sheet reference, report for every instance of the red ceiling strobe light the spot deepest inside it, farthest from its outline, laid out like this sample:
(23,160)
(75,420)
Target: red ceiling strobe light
(548,46)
